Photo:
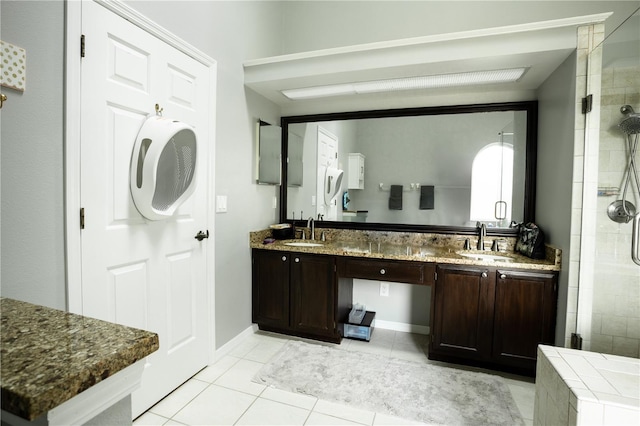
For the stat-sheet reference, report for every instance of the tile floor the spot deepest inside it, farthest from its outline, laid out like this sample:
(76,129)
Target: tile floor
(223,393)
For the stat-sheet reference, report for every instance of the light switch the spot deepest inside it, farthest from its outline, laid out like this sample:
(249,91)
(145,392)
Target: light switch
(221,203)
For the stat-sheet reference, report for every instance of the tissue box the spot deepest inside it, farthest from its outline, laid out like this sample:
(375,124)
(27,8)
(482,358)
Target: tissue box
(360,331)
(357,314)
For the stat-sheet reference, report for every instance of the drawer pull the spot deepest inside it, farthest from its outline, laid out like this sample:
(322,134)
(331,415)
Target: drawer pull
(484,275)
(503,276)
(297,260)
(382,272)
(284,258)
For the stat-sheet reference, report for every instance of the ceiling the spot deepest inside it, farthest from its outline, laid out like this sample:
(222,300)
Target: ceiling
(540,46)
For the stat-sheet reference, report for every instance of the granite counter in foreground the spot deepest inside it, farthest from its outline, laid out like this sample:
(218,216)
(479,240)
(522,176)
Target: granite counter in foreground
(50,356)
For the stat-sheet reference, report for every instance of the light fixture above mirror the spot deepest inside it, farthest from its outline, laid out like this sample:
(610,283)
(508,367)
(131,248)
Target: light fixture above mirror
(437,81)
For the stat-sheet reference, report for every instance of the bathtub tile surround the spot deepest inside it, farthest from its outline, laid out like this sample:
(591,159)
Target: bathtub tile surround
(578,387)
(51,356)
(206,400)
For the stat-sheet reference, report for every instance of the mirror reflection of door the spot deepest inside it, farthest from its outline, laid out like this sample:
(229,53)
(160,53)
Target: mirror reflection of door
(492,183)
(327,155)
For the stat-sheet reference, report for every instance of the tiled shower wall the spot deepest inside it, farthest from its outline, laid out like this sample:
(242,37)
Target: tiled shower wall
(615,324)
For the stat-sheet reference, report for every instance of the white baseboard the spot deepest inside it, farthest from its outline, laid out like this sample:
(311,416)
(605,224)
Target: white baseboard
(235,342)
(400,326)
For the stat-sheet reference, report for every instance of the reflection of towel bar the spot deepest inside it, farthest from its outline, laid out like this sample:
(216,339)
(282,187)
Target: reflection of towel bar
(410,187)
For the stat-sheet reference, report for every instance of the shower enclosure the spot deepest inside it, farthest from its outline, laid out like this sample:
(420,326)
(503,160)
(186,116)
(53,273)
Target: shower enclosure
(608,316)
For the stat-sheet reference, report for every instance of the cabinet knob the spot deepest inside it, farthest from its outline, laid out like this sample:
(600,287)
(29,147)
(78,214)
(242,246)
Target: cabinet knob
(297,260)
(484,275)
(284,258)
(503,276)
(382,272)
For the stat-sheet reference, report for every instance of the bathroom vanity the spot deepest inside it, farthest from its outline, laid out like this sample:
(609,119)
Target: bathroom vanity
(487,308)
(61,368)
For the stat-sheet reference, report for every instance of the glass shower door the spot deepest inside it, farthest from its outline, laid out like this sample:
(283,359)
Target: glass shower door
(615,294)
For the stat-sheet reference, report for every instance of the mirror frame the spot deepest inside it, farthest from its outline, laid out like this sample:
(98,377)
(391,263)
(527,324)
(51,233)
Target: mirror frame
(531,107)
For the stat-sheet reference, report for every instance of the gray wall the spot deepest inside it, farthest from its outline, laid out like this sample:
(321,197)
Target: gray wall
(312,25)
(555,170)
(33,266)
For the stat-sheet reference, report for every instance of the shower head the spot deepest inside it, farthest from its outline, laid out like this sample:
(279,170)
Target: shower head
(630,124)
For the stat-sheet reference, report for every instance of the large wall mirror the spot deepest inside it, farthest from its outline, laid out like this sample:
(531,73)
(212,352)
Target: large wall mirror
(435,169)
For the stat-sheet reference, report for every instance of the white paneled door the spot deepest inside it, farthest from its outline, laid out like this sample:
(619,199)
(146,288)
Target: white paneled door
(141,273)
(327,155)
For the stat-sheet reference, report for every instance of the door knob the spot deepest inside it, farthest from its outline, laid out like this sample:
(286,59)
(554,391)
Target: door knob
(202,235)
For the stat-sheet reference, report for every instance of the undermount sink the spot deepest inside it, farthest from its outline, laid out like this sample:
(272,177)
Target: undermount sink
(297,244)
(487,257)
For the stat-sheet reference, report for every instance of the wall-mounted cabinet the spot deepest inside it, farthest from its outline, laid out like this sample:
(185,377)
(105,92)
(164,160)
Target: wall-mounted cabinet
(356,171)
(268,144)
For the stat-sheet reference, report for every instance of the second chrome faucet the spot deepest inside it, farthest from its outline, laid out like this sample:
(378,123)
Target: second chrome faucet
(482,232)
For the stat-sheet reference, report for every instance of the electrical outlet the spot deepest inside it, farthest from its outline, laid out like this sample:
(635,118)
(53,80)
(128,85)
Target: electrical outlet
(384,289)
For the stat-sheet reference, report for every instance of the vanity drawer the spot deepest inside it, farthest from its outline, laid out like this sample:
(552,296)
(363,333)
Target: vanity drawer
(385,270)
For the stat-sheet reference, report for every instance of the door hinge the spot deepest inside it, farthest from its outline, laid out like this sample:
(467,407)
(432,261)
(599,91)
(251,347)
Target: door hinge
(82,218)
(82,46)
(587,104)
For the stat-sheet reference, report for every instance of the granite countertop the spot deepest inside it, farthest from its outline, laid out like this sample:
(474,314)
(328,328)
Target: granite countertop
(432,248)
(49,356)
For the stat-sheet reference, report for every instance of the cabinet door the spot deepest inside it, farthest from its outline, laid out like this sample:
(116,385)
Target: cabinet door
(525,312)
(271,288)
(463,312)
(313,294)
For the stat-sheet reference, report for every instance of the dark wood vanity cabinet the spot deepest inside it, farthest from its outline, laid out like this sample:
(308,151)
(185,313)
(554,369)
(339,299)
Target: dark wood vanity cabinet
(270,293)
(462,309)
(492,316)
(297,294)
(525,312)
(312,283)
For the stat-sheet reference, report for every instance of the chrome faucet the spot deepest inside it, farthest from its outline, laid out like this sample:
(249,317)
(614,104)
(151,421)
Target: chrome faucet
(311,224)
(482,232)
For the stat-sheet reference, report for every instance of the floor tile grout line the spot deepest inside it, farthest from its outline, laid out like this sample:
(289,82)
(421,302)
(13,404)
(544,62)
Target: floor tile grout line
(246,410)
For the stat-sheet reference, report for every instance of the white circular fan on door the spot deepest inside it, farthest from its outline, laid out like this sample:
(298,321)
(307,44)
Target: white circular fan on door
(163,167)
